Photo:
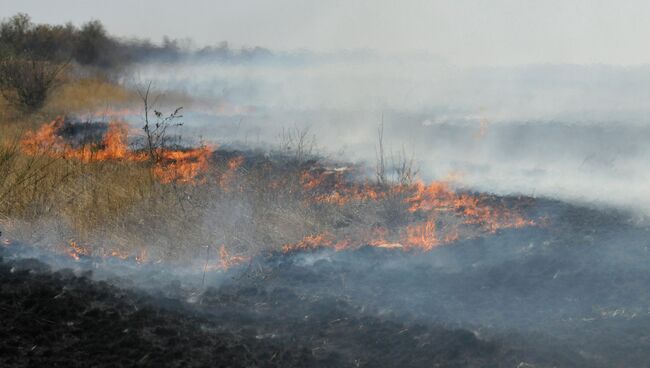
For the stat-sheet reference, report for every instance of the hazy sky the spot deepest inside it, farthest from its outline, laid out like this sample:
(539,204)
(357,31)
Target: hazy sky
(469,32)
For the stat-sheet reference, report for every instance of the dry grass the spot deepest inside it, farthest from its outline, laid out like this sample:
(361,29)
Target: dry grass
(82,196)
(88,95)
(119,206)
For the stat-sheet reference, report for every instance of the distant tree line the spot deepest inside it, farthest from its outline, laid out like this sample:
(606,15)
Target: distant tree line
(90,44)
(32,56)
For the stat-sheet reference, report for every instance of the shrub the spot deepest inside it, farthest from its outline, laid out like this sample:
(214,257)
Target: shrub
(27,83)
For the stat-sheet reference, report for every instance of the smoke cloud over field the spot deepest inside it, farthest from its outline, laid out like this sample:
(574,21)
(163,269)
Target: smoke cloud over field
(418,186)
(567,131)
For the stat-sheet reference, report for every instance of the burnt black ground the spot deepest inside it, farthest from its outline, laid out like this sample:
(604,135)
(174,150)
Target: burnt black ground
(60,319)
(571,293)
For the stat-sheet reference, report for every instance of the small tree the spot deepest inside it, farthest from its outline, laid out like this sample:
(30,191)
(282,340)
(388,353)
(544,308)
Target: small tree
(14,34)
(26,83)
(29,66)
(156,131)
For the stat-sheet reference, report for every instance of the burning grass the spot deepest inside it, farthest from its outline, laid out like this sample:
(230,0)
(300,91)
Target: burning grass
(172,165)
(217,208)
(104,195)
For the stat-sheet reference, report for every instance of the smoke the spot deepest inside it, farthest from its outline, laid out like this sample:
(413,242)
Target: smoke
(567,131)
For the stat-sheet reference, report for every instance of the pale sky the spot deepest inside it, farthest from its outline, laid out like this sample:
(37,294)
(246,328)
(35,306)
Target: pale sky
(463,32)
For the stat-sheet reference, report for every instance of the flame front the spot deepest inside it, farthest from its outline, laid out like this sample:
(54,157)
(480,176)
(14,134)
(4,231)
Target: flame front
(183,166)
(423,235)
(427,215)
(463,213)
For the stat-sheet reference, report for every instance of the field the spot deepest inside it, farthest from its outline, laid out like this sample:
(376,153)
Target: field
(125,241)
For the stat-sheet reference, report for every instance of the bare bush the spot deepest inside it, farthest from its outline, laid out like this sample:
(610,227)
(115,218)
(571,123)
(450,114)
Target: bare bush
(27,83)
(402,170)
(401,173)
(156,130)
(297,142)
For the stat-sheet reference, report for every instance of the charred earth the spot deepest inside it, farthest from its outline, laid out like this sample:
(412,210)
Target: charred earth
(559,295)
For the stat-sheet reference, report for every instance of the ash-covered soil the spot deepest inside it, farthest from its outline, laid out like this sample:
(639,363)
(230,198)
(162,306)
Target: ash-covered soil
(570,293)
(67,320)
(63,320)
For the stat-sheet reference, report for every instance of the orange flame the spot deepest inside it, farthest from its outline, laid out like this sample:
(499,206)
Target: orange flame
(76,251)
(330,186)
(174,166)
(228,177)
(425,206)
(437,197)
(182,166)
(422,236)
(227,260)
(310,242)
(44,139)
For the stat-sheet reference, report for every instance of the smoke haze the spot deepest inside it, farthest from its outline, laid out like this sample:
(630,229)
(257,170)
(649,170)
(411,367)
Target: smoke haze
(567,131)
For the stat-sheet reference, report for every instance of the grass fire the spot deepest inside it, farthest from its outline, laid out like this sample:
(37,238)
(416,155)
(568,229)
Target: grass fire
(175,205)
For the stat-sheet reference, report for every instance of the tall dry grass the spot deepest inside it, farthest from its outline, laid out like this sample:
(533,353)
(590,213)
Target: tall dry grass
(118,207)
(42,187)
